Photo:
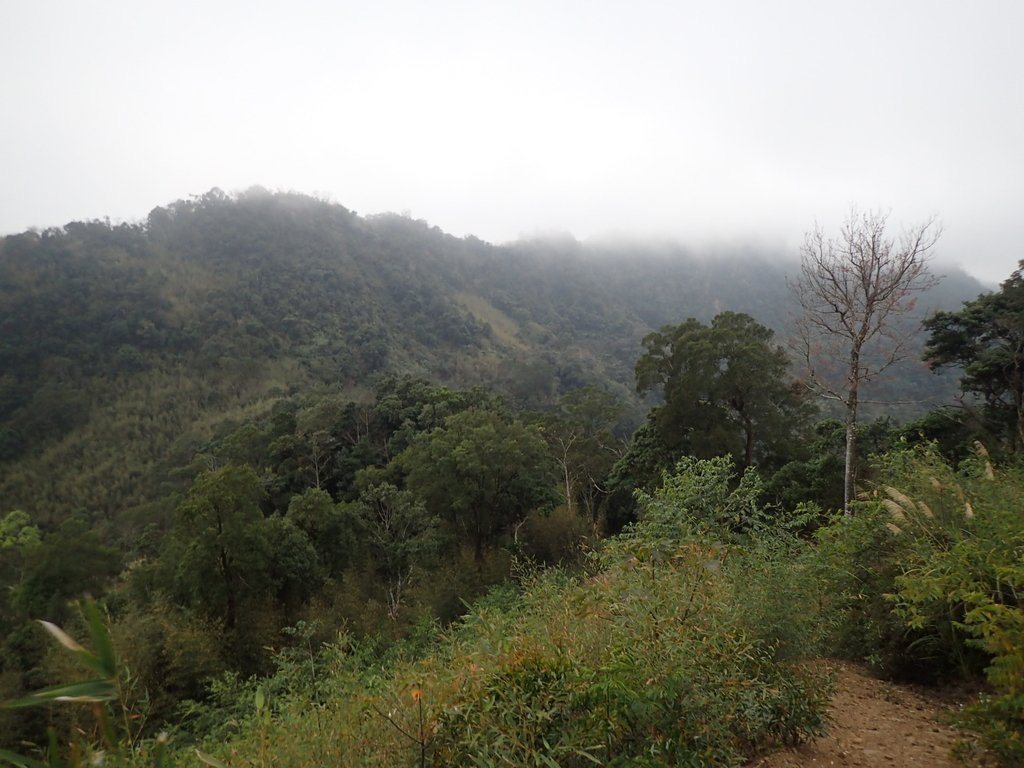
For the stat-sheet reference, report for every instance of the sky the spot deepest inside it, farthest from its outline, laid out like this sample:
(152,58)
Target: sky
(713,123)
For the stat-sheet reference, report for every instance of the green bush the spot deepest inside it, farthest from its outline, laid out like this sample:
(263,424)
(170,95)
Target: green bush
(643,660)
(928,574)
(970,576)
(643,664)
(663,653)
(857,561)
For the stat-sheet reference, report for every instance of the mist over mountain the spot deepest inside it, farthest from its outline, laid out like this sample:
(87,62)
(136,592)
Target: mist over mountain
(126,347)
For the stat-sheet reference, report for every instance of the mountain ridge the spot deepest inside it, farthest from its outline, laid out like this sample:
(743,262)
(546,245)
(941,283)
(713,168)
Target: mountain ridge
(125,347)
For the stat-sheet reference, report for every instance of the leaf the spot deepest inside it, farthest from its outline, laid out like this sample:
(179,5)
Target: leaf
(88,691)
(20,761)
(584,754)
(89,659)
(100,640)
(62,637)
(53,750)
(210,760)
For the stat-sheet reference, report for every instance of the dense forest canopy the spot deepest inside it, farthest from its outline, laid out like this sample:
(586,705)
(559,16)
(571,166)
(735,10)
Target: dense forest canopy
(133,342)
(256,422)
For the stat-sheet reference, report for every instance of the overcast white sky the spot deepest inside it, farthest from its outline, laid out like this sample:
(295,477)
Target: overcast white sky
(735,122)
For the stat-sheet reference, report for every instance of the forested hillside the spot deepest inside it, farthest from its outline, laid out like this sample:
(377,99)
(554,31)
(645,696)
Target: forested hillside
(125,348)
(287,447)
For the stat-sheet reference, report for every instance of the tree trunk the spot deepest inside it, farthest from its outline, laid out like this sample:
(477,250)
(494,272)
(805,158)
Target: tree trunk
(568,486)
(851,458)
(748,445)
(850,472)
(230,596)
(478,552)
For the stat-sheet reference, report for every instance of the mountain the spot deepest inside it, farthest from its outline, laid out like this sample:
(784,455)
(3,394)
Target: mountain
(124,349)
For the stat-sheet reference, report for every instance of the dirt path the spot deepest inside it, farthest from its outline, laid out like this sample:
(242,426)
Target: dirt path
(874,723)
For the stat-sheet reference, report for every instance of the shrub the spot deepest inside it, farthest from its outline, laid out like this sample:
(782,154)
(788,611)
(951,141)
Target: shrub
(929,573)
(643,661)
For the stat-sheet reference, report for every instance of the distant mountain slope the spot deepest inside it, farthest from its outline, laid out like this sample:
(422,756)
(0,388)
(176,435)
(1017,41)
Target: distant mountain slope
(122,348)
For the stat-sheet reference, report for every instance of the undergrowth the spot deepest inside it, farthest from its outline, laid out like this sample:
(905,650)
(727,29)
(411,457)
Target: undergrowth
(928,577)
(650,657)
(679,644)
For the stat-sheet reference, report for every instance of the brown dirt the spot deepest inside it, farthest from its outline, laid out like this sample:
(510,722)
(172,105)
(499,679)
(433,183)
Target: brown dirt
(874,723)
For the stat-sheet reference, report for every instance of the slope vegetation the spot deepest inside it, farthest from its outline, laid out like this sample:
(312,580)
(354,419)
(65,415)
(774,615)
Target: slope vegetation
(124,349)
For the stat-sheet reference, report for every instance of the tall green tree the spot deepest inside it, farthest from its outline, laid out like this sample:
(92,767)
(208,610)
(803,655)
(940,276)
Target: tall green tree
(580,435)
(328,527)
(397,534)
(726,389)
(481,474)
(68,563)
(986,340)
(219,549)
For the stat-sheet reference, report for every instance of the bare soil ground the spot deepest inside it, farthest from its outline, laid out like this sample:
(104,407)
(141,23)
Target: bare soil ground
(874,723)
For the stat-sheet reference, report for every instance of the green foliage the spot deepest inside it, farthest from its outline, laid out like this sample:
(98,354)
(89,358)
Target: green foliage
(951,430)
(397,535)
(985,340)
(817,475)
(327,527)
(111,740)
(646,662)
(172,654)
(701,494)
(580,434)
(726,390)
(642,466)
(970,574)
(16,530)
(929,575)
(726,393)
(217,307)
(296,573)
(481,474)
(69,563)
(220,549)
(774,588)
(858,562)
(258,339)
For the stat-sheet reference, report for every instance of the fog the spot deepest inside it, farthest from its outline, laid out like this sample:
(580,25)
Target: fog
(724,125)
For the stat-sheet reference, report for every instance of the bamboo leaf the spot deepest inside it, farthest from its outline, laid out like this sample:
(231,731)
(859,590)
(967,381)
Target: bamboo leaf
(584,754)
(89,659)
(53,751)
(100,640)
(210,760)
(88,691)
(62,637)
(19,761)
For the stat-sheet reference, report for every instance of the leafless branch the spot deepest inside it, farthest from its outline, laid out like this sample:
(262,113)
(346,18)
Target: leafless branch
(852,292)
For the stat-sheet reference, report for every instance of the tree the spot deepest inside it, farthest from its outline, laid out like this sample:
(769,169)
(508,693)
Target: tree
(219,547)
(16,530)
(986,339)
(407,406)
(67,563)
(294,567)
(579,434)
(480,474)
(853,291)
(327,526)
(725,388)
(641,467)
(398,533)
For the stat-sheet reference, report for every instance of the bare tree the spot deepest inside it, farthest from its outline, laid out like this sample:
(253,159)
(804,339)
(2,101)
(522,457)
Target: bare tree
(853,291)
